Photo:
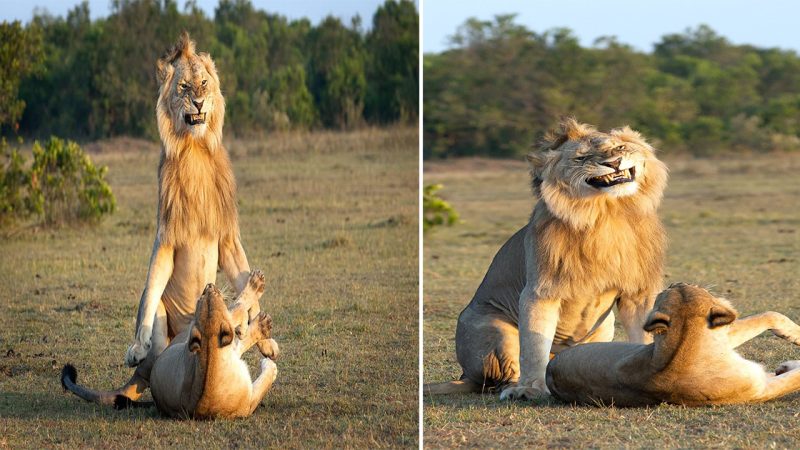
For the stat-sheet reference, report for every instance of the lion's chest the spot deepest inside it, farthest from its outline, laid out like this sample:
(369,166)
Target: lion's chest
(580,316)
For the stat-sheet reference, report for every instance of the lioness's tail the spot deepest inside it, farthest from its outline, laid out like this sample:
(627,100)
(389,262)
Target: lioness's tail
(463,385)
(69,377)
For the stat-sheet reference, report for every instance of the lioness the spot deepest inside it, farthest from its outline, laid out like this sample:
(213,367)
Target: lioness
(692,361)
(201,374)
(594,241)
(197,223)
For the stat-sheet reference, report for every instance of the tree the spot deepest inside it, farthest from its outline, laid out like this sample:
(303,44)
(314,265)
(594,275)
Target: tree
(20,56)
(393,68)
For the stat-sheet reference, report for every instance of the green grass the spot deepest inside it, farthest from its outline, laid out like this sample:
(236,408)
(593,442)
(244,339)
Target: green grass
(331,218)
(732,225)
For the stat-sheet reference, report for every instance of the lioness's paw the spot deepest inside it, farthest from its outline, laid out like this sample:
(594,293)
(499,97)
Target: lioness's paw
(269,348)
(269,366)
(787,366)
(525,392)
(265,325)
(257,281)
(137,353)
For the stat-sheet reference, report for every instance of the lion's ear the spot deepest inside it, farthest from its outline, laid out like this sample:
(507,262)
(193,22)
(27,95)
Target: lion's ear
(720,315)
(657,322)
(164,70)
(537,160)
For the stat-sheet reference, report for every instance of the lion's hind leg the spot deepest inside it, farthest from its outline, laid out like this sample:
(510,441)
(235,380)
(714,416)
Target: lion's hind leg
(138,383)
(487,346)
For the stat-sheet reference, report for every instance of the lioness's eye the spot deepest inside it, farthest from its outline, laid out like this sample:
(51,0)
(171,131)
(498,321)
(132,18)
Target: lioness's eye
(205,82)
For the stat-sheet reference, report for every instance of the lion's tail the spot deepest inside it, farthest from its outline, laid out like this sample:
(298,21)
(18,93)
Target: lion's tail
(461,386)
(69,378)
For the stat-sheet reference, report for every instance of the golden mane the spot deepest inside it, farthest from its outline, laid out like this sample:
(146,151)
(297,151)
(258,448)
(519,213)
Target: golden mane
(197,189)
(588,244)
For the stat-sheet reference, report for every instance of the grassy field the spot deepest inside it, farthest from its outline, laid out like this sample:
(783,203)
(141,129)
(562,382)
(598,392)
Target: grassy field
(331,218)
(732,225)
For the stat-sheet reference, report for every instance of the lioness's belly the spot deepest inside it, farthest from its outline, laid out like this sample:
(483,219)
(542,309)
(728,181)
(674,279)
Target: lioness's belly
(193,269)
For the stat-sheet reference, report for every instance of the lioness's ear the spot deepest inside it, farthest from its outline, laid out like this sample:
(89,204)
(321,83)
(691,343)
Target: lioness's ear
(194,340)
(657,322)
(721,315)
(225,334)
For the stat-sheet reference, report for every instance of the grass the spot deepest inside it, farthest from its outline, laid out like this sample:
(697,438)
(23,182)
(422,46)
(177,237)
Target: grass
(733,225)
(331,218)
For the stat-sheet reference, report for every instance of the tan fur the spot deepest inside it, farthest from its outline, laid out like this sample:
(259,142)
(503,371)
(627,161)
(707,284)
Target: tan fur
(201,375)
(197,228)
(585,249)
(692,361)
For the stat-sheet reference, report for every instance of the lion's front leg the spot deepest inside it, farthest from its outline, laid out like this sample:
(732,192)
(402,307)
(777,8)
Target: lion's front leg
(158,275)
(633,311)
(538,319)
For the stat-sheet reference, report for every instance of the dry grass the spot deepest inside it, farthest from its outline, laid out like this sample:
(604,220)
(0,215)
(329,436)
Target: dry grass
(341,290)
(732,225)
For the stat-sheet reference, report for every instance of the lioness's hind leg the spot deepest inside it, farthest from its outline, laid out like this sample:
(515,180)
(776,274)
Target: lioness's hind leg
(262,384)
(259,332)
(786,381)
(742,330)
(246,307)
(487,347)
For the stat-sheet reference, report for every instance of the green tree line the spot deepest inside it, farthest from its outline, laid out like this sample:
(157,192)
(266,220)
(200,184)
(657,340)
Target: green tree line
(96,78)
(500,85)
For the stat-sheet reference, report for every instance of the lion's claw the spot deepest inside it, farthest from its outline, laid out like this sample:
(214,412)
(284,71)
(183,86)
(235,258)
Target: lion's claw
(522,392)
(257,281)
(136,353)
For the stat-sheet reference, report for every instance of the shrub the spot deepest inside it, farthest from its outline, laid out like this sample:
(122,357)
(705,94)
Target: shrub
(61,186)
(436,211)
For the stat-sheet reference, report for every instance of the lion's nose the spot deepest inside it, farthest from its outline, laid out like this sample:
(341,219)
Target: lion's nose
(198,105)
(613,164)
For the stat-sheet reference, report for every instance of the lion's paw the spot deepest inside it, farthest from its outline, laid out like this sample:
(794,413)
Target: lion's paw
(525,392)
(137,353)
(257,281)
(787,366)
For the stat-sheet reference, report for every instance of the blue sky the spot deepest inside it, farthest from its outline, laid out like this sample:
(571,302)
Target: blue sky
(293,9)
(765,23)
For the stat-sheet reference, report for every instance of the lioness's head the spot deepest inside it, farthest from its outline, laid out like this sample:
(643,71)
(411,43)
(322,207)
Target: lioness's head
(577,162)
(190,104)
(683,304)
(212,329)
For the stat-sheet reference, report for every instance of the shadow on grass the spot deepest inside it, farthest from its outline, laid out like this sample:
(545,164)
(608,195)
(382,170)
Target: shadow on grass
(60,405)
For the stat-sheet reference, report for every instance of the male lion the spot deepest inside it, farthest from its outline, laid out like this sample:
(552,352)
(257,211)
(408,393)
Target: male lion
(594,240)
(201,374)
(197,223)
(692,361)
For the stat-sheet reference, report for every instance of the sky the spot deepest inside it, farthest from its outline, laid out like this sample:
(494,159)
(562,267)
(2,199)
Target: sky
(315,10)
(765,23)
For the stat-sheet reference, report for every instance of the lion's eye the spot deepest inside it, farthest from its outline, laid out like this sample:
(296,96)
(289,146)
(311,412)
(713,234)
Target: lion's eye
(184,86)
(205,82)
(620,147)
(580,158)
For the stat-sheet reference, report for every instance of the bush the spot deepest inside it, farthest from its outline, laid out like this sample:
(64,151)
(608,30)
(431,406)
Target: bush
(62,185)
(436,211)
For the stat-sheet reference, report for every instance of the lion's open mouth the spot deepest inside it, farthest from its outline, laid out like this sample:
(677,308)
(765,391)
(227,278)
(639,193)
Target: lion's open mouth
(194,119)
(613,179)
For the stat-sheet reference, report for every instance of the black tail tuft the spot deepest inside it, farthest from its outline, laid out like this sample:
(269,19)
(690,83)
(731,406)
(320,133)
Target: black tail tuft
(68,373)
